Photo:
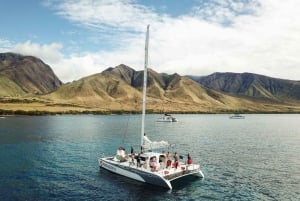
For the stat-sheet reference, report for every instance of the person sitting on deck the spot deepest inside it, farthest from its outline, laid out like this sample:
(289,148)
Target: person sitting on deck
(121,154)
(168,163)
(153,163)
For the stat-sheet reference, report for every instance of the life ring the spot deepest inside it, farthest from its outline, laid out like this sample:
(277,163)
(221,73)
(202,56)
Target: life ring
(166,172)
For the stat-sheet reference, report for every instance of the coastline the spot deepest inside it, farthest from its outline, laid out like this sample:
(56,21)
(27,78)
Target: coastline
(38,106)
(8,113)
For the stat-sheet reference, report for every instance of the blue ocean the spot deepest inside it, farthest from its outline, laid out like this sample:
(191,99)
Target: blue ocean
(55,157)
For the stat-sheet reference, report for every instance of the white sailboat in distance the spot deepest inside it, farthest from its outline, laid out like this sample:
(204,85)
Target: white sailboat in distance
(167,118)
(149,166)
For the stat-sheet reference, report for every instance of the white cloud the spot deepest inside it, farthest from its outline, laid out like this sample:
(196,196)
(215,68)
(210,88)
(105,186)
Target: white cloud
(76,66)
(67,68)
(263,37)
(49,53)
(266,43)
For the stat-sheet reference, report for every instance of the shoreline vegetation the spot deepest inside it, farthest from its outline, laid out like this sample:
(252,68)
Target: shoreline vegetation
(36,106)
(62,111)
(4,112)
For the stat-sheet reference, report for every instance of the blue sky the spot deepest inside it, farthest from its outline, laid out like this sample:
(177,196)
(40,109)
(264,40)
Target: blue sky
(80,37)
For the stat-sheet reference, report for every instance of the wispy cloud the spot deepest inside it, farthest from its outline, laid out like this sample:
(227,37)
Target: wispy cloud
(5,45)
(107,15)
(225,11)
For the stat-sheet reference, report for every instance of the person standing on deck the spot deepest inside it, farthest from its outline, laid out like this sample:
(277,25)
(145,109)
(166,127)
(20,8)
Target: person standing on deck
(168,155)
(138,160)
(189,159)
(175,156)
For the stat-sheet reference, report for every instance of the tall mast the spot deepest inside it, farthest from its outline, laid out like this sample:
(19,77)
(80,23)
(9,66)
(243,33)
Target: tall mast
(145,85)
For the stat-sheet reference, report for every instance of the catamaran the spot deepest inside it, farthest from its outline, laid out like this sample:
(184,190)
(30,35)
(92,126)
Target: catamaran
(149,166)
(237,116)
(167,118)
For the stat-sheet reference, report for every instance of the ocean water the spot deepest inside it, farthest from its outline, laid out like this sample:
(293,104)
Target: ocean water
(55,157)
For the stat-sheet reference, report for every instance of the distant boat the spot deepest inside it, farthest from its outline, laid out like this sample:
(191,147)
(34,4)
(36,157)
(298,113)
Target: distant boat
(167,118)
(237,116)
(149,166)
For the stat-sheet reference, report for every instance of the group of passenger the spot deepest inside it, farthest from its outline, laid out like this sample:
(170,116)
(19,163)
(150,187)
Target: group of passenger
(134,157)
(175,160)
(153,163)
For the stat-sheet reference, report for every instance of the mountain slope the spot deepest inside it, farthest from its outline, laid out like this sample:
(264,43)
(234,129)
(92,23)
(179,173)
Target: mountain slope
(31,74)
(98,90)
(120,88)
(252,85)
(10,88)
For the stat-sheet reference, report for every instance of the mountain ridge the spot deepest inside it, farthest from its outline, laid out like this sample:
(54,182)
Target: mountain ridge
(120,89)
(252,85)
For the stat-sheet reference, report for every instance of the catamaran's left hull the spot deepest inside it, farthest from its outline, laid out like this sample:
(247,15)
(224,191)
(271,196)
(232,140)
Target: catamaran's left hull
(134,173)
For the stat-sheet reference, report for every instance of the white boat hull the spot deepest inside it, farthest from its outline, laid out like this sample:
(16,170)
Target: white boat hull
(167,119)
(161,177)
(134,173)
(162,120)
(237,116)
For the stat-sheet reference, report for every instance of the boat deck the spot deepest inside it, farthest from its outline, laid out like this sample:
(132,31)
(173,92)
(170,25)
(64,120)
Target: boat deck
(177,173)
(170,173)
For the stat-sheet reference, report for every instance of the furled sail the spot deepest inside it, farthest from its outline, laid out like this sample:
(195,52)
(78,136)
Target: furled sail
(148,144)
